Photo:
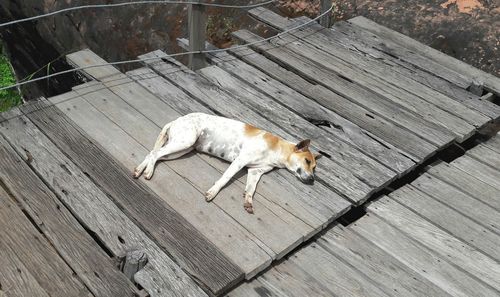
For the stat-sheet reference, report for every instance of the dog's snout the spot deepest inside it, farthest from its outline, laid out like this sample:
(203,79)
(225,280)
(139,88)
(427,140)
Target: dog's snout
(309,179)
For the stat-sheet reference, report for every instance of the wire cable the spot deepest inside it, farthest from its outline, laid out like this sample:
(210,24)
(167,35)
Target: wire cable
(133,3)
(170,55)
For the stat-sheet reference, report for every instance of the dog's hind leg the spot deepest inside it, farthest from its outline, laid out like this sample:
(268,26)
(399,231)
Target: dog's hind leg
(160,141)
(177,146)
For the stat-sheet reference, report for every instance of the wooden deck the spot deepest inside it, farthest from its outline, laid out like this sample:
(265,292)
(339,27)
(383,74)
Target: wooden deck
(437,236)
(374,102)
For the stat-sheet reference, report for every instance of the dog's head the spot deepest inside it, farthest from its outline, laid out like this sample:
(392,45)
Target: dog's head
(302,162)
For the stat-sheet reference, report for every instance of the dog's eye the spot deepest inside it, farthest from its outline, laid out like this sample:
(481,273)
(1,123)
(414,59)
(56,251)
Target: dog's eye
(308,161)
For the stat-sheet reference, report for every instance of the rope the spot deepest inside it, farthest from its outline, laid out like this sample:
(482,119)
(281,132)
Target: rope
(133,3)
(172,55)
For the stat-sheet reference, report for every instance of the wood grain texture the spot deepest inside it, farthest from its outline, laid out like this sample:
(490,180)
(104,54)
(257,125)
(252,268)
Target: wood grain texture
(453,222)
(336,177)
(389,77)
(479,170)
(276,228)
(345,87)
(390,275)
(172,232)
(63,230)
(452,249)
(303,106)
(420,259)
(359,42)
(285,279)
(486,155)
(96,210)
(337,276)
(389,132)
(311,271)
(85,58)
(362,41)
(361,165)
(490,82)
(310,204)
(458,200)
(402,52)
(494,143)
(469,184)
(315,44)
(30,265)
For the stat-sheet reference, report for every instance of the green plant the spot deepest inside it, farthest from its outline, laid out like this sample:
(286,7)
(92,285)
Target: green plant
(10,97)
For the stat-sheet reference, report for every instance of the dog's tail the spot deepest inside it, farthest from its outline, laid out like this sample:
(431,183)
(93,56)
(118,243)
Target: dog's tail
(163,137)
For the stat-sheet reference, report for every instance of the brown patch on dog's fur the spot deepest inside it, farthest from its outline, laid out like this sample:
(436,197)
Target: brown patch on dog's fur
(251,130)
(271,140)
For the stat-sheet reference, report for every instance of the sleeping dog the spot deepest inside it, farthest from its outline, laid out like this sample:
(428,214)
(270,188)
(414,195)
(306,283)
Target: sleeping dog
(241,144)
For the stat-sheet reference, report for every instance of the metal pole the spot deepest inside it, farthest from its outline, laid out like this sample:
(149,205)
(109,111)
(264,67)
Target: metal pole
(324,6)
(197,23)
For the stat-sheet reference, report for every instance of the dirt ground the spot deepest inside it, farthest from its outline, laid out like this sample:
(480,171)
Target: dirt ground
(468,30)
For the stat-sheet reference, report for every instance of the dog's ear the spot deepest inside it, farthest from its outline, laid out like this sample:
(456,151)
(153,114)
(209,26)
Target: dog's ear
(317,156)
(303,145)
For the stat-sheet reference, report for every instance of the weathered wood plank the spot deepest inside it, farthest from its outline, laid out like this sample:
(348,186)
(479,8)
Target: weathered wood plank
(429,235)
(420,259)
(342,180)
(491,82)
(458,200)
(174,234)
(409,101)
(314,207)
(479,170)
(494,143)
(467,183)
(16,278)
(360,164)
(410,144)
(30,265)
(280,233)
(449,220)
(395,49)
(97,211)
(314,43)
(285,279)
(384,270)
(344,129)
(65,233)
(84,58)
(341,279)
(346,87)
(311,271)
(486,155)
(451,98)
(361,41)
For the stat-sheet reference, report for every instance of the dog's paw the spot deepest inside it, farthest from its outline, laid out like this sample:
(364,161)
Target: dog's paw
(210,195)
(136,174)
(149,175)
(248,207)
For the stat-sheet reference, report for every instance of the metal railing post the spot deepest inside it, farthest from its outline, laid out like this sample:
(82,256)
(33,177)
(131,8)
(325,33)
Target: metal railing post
(323,7)
(197,27)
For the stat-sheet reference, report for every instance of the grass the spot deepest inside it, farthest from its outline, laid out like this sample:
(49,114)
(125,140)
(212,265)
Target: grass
(8,98)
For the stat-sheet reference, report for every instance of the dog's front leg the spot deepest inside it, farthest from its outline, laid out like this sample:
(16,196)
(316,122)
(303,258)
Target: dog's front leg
(254,175)
(236,166)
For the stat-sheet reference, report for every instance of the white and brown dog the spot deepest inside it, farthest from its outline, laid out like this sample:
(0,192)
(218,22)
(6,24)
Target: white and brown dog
(241,144)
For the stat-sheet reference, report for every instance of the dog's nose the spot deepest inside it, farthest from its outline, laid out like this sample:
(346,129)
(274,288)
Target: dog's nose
(309,180)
